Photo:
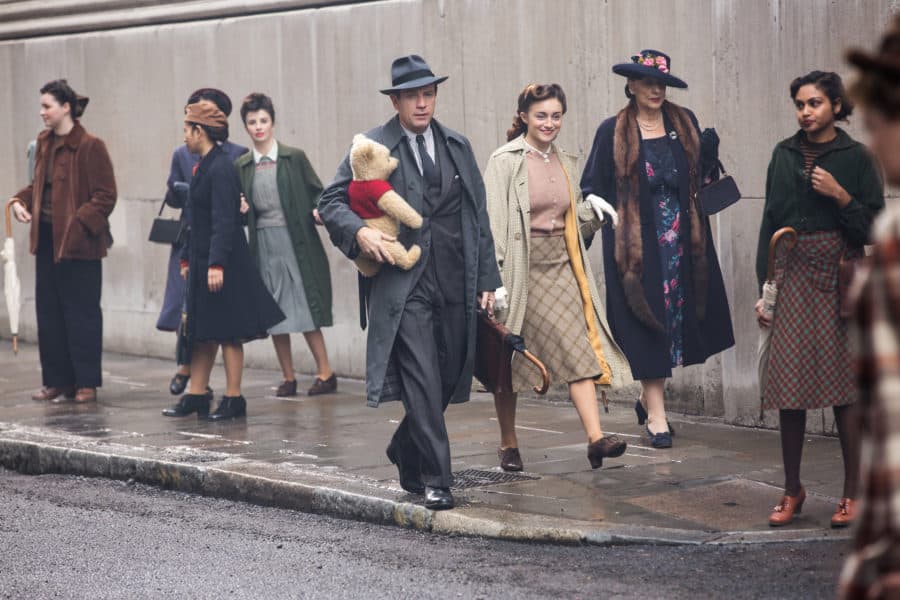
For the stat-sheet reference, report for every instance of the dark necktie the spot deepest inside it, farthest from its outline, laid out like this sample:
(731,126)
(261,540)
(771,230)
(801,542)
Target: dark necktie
(429,171)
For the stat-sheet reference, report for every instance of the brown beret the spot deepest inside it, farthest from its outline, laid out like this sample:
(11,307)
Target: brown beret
(206,113)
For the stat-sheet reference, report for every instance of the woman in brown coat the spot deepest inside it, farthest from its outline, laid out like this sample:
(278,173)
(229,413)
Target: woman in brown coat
(68,205)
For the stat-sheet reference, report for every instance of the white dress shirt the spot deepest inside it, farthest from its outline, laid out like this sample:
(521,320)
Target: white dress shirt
(428,134)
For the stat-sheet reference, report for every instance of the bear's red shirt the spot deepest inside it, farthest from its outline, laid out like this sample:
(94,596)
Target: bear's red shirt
(364,196)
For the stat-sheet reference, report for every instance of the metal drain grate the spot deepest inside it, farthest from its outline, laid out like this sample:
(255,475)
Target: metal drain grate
(469,478)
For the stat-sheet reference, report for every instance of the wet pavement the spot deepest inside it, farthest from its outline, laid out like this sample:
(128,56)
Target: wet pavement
(717,484)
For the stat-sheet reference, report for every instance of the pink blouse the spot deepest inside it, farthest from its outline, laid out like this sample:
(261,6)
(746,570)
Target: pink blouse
(548,193)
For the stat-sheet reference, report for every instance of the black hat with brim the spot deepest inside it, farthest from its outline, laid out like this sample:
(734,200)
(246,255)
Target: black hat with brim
(410,73)
(639,68)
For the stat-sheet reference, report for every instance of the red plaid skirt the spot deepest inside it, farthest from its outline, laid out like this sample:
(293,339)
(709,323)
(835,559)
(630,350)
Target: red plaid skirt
(809,359)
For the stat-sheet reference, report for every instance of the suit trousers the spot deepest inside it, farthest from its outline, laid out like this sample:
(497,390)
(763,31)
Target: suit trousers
(430,349)
(69,320)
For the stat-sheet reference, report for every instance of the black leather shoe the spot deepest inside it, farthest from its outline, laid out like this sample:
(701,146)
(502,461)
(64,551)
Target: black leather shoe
(178,384)
(660,440)
(410,478)
(231,407)
(641,413)
(438,498)
(188,405)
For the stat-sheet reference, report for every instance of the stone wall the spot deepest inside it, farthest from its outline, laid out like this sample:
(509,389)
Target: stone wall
(323,67)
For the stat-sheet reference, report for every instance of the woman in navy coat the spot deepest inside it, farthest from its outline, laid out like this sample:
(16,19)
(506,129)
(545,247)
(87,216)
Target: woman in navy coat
(228,303)
(181,172)
(665,298)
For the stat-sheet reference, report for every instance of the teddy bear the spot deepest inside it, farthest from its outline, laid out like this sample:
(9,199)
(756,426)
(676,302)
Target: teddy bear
(373,199)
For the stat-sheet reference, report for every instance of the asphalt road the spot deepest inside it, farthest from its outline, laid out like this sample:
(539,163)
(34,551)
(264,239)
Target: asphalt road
(73,537)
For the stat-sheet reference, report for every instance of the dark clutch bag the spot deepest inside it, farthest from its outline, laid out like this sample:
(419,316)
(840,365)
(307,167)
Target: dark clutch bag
(719,195)
(165,231)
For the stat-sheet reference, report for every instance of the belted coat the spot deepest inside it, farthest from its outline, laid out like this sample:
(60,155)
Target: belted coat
(389,289)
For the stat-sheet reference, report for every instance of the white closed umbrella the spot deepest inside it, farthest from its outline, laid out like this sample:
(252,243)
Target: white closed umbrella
(12,287)
(770,297)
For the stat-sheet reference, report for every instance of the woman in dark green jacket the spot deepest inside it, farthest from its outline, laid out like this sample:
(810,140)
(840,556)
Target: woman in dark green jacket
(827,187)
(281,189)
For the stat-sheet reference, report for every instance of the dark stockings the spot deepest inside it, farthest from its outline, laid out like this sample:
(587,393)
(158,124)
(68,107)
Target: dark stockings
(793,430)
(847,420)
(793,433)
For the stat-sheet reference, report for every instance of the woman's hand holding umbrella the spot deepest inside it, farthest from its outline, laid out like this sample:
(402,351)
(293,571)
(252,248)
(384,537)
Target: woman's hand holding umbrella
(22,214)
(763,317)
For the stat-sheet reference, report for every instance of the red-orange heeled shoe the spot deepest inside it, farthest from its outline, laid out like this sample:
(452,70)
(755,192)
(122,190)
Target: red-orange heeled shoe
(845,513)
(784,512)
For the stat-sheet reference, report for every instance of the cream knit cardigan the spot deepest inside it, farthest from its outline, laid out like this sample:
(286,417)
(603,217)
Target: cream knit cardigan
(509,210)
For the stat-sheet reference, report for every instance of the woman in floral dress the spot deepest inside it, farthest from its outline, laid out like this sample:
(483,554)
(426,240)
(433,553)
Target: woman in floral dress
(665,299)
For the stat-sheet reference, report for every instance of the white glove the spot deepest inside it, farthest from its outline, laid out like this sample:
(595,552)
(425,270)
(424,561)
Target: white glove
(501,296)
(602,208)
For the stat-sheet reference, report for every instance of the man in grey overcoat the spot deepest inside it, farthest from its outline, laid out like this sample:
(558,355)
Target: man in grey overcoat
(421,341)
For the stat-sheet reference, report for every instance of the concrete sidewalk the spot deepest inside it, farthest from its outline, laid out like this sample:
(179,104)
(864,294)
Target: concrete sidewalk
(326,454)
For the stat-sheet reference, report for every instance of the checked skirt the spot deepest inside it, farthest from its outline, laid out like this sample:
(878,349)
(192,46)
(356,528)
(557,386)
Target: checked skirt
(554,328)
(809,360)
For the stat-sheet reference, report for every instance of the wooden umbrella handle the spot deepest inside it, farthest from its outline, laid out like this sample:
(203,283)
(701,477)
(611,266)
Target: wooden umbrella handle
(545,376)
(791,239)
(9,204)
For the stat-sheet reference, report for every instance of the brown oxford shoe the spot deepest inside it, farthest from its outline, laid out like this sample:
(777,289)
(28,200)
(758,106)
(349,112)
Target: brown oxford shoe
(86,395)
(845,513)
(510,459)
(784,511)
(323,386)
(48,393)
(287,389)
(606,447)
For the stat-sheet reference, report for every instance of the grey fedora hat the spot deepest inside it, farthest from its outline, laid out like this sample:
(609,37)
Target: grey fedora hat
(410,72)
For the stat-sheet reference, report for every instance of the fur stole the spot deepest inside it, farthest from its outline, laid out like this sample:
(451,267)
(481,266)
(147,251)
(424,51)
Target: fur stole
(628,243)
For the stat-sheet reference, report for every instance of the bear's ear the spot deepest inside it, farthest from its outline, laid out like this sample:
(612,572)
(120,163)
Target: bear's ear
(367,151)
(358,139)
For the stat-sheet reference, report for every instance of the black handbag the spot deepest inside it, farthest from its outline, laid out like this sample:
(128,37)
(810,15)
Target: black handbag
(165,231)
(719,194)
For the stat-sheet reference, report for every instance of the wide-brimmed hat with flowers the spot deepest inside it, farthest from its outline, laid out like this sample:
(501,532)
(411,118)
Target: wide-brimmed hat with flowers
(650,63)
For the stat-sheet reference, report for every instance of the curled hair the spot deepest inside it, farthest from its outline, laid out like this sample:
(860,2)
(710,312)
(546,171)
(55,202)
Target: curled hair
(254,102)
(533,92)
(63,93)
(216,134)
(217,97)
(829,84)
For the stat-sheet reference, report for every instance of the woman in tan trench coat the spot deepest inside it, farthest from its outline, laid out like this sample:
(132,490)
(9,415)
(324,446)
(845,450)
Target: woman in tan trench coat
(538,220)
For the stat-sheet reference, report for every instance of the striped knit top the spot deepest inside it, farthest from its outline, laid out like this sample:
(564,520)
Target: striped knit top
(811,151)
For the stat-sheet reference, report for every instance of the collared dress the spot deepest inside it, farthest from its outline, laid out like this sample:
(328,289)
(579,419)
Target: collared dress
(275,252)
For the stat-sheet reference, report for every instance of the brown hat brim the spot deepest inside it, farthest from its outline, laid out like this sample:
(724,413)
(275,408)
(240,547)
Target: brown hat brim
(868,62)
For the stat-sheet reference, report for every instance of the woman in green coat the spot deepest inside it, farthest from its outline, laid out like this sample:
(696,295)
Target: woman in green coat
(280,193)
(826,186)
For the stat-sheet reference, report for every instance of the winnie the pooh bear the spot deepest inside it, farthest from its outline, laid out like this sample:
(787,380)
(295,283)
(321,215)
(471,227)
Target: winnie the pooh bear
(373,199)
